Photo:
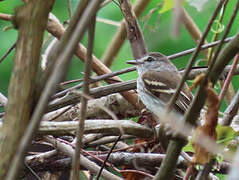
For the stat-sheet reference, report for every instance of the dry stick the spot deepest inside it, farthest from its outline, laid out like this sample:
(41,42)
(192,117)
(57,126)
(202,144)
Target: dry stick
(8,52)
(228,80)
(108,126)
(72,36)
(175,146)
(121,34)
(107,157)
(106,140)
(95,79)
(86,163)
(22,83)
(231,111)
(80,130)
(73,98)
(59,114)
(134,33)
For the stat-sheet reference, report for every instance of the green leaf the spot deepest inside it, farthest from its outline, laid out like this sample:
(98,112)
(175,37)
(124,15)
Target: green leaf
(167,5)
(188,147)
(225,134)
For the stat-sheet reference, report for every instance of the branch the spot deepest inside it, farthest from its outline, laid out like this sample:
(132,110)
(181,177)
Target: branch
(230,111)
(228,79)
(134,33)
(120,36)
(113,127)
(74,96)
(31,21)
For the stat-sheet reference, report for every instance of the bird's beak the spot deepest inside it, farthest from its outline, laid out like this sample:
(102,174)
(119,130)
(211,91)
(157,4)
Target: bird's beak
(134,62)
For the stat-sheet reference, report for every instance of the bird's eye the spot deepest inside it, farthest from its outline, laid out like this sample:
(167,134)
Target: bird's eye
(149,59)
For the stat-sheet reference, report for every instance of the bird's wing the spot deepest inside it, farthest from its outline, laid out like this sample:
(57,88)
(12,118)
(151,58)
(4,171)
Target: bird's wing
(163,85)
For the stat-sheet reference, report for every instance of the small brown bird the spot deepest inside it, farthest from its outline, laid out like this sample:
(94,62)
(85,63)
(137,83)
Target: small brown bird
(157,82)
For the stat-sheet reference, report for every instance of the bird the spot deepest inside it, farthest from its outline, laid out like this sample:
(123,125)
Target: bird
(157,81)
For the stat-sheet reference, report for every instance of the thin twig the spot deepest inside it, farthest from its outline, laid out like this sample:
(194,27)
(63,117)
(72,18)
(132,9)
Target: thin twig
(80,131)
(205,46)
(228,79)
(33,172)
(95,79)
(107,157)
(231,111)
(8,52)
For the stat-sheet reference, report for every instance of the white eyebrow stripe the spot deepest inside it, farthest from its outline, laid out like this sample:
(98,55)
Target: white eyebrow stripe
(155,83)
